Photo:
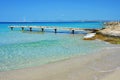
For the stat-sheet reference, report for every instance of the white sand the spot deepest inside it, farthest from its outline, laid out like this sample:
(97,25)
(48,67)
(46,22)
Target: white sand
(102,66)
(113,76)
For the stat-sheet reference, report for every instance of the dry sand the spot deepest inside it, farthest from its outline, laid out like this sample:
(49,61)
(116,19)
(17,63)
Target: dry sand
(113,76)
(103,65)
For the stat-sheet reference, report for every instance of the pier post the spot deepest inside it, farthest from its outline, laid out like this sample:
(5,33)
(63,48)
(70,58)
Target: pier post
(42,29)
(22,28)
(11,28)
(73,31)
(55,30)
(30,28)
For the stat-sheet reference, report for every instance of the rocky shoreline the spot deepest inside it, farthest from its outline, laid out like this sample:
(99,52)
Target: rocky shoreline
(111,29)
(110,33)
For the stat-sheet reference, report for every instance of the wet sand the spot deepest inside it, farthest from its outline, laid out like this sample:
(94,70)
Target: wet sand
(103,65)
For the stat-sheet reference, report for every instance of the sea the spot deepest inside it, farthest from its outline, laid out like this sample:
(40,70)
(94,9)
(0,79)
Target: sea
(21,49)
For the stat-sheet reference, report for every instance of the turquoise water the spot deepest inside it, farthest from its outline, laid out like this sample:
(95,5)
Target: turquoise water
(21,49)
(63,24)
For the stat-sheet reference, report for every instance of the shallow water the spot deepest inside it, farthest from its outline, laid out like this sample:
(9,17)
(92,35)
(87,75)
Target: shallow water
(20,49)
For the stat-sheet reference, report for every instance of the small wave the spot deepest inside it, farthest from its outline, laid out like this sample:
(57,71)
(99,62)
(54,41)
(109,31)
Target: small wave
(104,71)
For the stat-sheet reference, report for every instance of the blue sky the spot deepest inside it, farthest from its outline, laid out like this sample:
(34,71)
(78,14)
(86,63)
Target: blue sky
(59,10)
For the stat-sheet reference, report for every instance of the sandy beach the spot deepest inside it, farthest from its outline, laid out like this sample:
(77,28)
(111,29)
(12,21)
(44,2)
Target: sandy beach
(59,40)
(103,65)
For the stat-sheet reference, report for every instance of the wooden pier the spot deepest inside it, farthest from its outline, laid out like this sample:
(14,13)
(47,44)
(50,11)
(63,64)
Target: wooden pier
(54,28)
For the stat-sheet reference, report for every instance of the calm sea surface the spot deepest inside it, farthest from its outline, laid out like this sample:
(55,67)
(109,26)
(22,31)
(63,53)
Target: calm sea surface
(20,49)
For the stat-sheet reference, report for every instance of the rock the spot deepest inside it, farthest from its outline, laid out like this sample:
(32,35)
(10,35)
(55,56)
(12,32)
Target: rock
(89,36)
(111,29)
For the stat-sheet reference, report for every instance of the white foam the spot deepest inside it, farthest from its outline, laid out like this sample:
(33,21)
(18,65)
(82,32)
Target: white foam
(90,35)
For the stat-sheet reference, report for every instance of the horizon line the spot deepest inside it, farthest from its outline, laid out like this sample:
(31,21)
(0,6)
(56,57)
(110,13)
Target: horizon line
(64,21)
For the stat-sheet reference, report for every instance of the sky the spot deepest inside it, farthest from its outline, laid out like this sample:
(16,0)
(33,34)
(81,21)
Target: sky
(59,10)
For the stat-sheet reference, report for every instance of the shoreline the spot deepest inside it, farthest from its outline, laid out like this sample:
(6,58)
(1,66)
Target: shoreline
(110,33)
(94,66)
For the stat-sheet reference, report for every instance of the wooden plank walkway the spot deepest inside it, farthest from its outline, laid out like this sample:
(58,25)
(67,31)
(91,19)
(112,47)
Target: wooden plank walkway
(52,27)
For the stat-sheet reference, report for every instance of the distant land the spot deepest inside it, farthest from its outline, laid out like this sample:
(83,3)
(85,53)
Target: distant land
(61,21)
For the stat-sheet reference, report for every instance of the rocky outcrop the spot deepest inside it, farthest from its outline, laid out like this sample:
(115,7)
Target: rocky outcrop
(111,29)
(90,36)
(111,23)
